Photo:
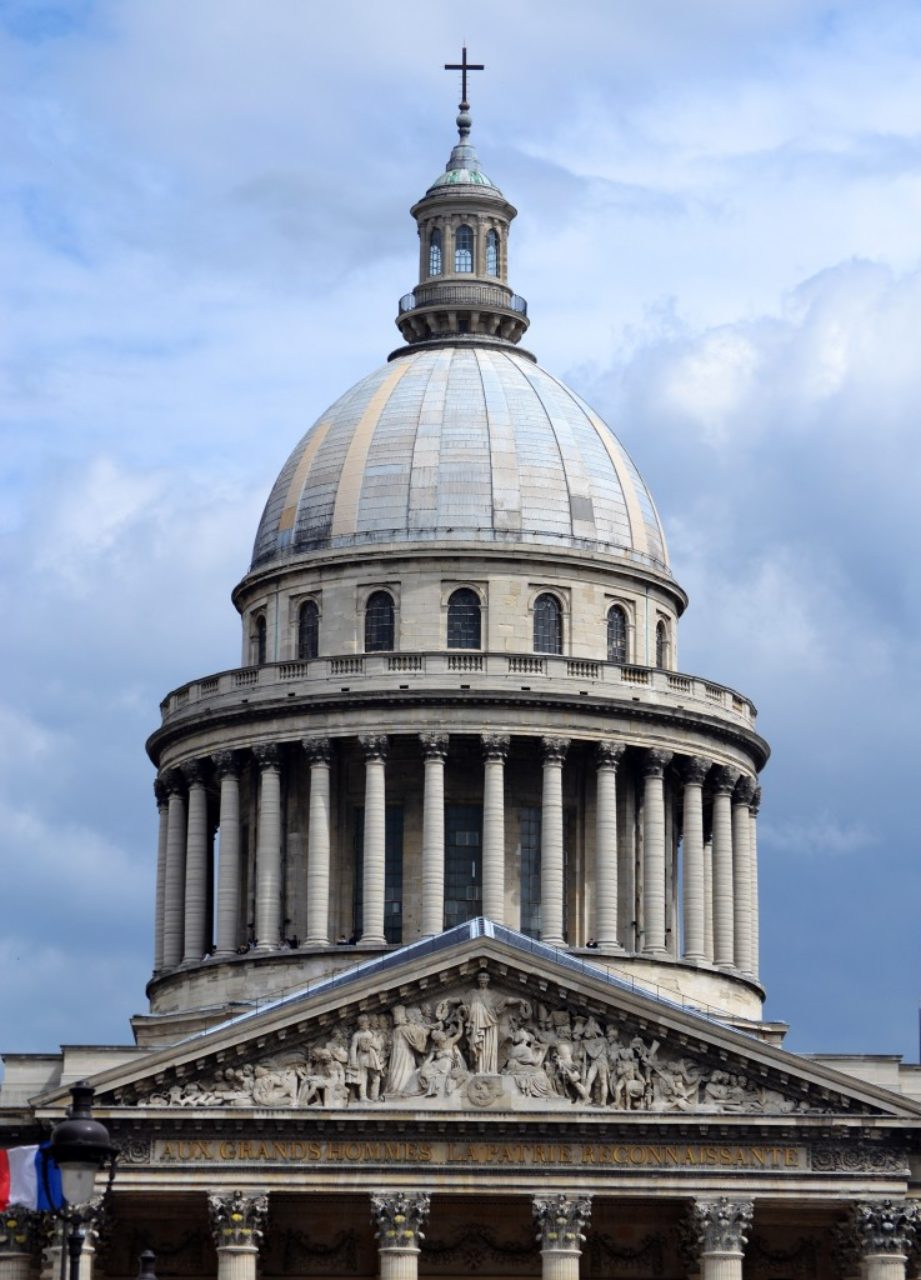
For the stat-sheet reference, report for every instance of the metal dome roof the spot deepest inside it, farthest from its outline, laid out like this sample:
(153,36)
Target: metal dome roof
(460,444)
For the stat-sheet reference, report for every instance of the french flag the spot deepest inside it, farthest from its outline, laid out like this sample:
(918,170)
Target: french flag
(29,1178)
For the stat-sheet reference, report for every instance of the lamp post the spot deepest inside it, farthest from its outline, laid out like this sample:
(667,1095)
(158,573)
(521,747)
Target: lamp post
(80,1147)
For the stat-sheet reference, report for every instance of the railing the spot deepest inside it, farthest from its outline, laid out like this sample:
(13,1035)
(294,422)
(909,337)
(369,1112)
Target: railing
(463,295)
(490,671)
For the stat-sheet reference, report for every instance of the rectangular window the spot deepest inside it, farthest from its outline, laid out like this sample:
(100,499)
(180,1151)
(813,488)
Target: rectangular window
(393,873)
(463,863)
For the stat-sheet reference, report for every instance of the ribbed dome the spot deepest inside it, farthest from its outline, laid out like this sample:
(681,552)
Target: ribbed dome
(460,444)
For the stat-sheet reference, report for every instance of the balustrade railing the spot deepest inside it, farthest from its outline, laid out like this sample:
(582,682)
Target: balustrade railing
(463,295)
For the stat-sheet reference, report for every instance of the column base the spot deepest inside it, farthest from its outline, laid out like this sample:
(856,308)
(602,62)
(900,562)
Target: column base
(262,948)
(372,940)
(551,941)
(608,948)
(656,953)
(315,942)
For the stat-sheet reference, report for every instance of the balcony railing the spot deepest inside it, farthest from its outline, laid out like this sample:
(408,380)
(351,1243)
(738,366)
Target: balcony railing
(463,295)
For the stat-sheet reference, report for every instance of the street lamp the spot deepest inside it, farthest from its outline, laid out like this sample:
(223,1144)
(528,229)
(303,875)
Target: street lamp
(80,1147)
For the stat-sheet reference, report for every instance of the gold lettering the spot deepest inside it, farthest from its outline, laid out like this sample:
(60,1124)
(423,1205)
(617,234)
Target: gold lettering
(671,1155)
(791,1158)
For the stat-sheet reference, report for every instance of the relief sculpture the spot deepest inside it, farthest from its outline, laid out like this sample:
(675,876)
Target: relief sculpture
(479,1047)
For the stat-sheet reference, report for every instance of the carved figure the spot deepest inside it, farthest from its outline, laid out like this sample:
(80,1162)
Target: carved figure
(365,1065)
(481,1011)
(526,1066)
(444,1070)
(409,1038)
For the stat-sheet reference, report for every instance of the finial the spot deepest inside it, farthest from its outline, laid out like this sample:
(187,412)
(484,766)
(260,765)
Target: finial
(463,67)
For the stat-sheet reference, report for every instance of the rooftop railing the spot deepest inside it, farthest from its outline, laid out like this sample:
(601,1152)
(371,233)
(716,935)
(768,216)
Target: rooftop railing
(463,295)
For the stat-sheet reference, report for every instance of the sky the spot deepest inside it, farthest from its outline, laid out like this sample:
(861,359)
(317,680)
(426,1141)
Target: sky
(204,232)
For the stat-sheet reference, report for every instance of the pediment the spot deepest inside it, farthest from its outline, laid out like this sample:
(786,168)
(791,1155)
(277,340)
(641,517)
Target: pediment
(484,1024)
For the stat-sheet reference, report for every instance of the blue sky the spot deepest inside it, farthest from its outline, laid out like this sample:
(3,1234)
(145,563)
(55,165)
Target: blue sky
(204,231)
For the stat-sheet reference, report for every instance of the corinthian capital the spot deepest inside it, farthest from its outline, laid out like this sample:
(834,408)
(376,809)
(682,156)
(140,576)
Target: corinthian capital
(724,780)
(495,746)
(721,1226)
(554,749)
(696,769)
(267,755)
(434,745)
(399,1218)
(608,754)
(756,802)
(226,764)
(885,1226)
(374,745)
(318,750)
(238,1219)
(161,793)
(20,1230)
(655,762)
(561,1221)
(194,772)
(744,791)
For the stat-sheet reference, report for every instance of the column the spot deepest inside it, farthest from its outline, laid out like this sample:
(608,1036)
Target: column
(719,1229)
(495,751)
(607,758)
(162,798)
(885,1231)
(174,886)
(753,856)
(723,910)
(551,842)
(227,770)
(19,1236)
(399,1218)
(319,755)
(654,765)
(694,875)
(434,749)
(742,873)
(708,897)
(196,864)
(561,1223)
(268,848)
(237,1224)
(91,1233)
(375,841)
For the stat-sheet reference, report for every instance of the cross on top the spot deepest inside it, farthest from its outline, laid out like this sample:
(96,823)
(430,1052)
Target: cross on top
(463,67)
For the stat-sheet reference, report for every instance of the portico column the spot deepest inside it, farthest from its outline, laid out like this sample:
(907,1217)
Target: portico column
(721,1229)
(227,769)
(399,1218)
(708,897)
(375,838)
(723,910)
(162,797)
(654,765)
(319,755)
(196,864)
(237,1224)
(174,887)
(551,842)
(885,1232)
(753,857)
(693,879)
(742,873)
(561,1222)
(495,750)
(434,749)
(268,848)
(19,1233)
(607,758)
(91,1231)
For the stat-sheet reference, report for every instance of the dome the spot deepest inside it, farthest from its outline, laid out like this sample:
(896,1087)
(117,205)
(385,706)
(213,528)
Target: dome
(460,443)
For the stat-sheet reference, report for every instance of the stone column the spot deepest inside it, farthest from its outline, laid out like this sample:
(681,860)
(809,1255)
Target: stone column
(561,1221)
(495,750)
(268,848)
(723,910)
(174,886)
(694,877)
(720,1228)
(434,749)
(753,855)
(708,898)
(885,1231)
(607,758)
(162,798)
(319,755)
(227,770)
(19,1237)
(654,766)
(237,1224)
(91,1234)
(375,841)
(399,1218)
(196,864)
(551,843)
(742,873)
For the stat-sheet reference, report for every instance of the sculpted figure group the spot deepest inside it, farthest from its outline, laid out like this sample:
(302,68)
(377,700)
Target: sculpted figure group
(477,1039)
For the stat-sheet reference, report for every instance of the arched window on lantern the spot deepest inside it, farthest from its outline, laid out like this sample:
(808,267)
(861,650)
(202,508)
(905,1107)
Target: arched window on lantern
(463,249)
(661,643)
(257,645)
(308,630)
(464,619)
(617,634)
(548,624)
(435,253)
(379,622)
(492,253)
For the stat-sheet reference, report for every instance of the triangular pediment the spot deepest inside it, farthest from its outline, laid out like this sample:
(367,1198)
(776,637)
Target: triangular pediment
(483,1020)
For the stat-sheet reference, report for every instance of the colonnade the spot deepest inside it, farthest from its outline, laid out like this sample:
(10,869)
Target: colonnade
(719,876)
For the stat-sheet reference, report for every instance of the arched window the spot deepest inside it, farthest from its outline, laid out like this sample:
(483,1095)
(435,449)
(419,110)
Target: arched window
(464,619)
(492,253)
(308,630)
(379,622)
(463,249)
(259,640)
(548,624)
(617,634)
(661,644)
(435,253)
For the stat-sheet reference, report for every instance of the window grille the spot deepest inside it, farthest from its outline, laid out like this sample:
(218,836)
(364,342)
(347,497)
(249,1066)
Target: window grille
(548,624)
(435,253)
(379,622)
(492,253)
(617,634)
(463,863)
(464,619)
(463,249)
(308,630)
